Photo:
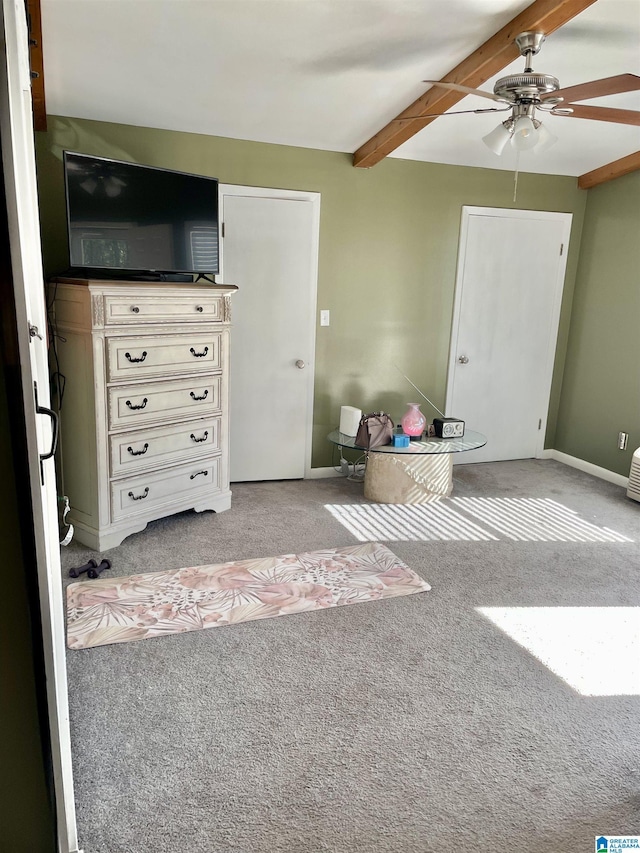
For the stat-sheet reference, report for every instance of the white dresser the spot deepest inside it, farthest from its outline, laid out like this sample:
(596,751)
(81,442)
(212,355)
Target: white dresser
(144,421)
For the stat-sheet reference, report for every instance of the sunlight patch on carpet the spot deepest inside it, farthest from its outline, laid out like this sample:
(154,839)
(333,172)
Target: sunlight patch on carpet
(155,604)
(470,520)
(595,650)
(437,520)
(536,520)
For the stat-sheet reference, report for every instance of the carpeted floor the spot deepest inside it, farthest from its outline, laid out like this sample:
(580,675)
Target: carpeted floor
(411,726)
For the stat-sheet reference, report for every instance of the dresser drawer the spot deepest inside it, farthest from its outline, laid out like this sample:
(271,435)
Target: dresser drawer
(164,355)
(119,310)
(131,406)
(148,492)
(130,452)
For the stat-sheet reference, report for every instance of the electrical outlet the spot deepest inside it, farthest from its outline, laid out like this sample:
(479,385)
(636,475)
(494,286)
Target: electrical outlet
(623,438)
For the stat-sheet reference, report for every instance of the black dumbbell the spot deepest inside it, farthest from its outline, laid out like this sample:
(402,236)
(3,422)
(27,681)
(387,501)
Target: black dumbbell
(97,569)
(75,573)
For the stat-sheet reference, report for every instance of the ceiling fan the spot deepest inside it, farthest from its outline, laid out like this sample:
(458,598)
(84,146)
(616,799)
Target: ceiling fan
(97,177)
(524,94)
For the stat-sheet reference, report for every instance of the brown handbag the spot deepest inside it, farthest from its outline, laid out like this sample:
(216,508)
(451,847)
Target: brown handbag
(374,429)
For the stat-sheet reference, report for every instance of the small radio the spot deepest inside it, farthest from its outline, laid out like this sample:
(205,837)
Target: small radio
(448,427)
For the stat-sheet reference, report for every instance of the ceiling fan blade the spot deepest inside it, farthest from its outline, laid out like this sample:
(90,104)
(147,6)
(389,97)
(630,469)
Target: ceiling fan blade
(454,113)
(467,90)
(597,88)
(602,114)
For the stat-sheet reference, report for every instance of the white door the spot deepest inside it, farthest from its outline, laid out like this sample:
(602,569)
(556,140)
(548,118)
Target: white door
(511,267)
(270,250)
(18,162)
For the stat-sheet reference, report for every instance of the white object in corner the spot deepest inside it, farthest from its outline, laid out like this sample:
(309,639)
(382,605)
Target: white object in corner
(633,489)
(349,420)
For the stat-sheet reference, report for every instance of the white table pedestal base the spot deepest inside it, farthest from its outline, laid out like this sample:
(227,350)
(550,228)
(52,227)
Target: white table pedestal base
(394,478)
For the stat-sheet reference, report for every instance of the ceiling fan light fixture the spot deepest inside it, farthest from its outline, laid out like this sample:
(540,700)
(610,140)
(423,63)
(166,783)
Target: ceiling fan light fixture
(113,186)
(525,135)
(499,136)
(545,139)
(89,185)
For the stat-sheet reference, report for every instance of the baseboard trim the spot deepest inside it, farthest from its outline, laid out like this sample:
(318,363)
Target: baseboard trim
(587,467)
(321,473)
(549,453)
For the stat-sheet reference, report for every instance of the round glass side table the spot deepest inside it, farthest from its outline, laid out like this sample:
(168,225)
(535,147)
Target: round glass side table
(415,474)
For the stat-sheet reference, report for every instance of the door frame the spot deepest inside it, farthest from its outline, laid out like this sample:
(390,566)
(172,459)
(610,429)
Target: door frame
(566,219)
(18,163)
(313,198)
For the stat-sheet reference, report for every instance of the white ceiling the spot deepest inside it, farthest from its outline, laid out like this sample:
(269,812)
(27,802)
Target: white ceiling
(325,74)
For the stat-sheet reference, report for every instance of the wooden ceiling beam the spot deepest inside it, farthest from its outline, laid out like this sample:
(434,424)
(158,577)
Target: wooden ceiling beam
(620,167)
(36,62)
(490,58)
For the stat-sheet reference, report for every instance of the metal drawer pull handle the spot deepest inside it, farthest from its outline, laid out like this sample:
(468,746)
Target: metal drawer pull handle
(193,476)
(198,440)
(139,497)
(199,309)
(136,408)
(128,356)
(204,396)
(198,354)
(138,452)
(135,309)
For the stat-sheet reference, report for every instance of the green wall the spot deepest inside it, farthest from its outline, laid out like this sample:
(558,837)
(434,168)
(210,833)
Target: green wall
(388,249)
(601,388)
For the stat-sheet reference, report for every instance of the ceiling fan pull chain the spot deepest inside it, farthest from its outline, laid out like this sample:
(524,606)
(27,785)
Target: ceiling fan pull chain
(515,177)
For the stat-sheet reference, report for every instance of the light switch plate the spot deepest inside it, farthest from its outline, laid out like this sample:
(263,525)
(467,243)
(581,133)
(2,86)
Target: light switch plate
(324,317)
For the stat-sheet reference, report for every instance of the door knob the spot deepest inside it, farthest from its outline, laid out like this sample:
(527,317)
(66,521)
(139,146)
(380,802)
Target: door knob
(463,359)
(300,364)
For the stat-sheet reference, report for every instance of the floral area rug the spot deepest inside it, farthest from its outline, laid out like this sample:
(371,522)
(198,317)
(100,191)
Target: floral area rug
(105,610)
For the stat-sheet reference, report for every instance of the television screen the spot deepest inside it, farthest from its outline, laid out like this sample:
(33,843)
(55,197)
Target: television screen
(133,218)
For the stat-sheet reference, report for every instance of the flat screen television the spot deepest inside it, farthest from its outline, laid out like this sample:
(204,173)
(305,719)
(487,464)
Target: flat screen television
(141,222)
